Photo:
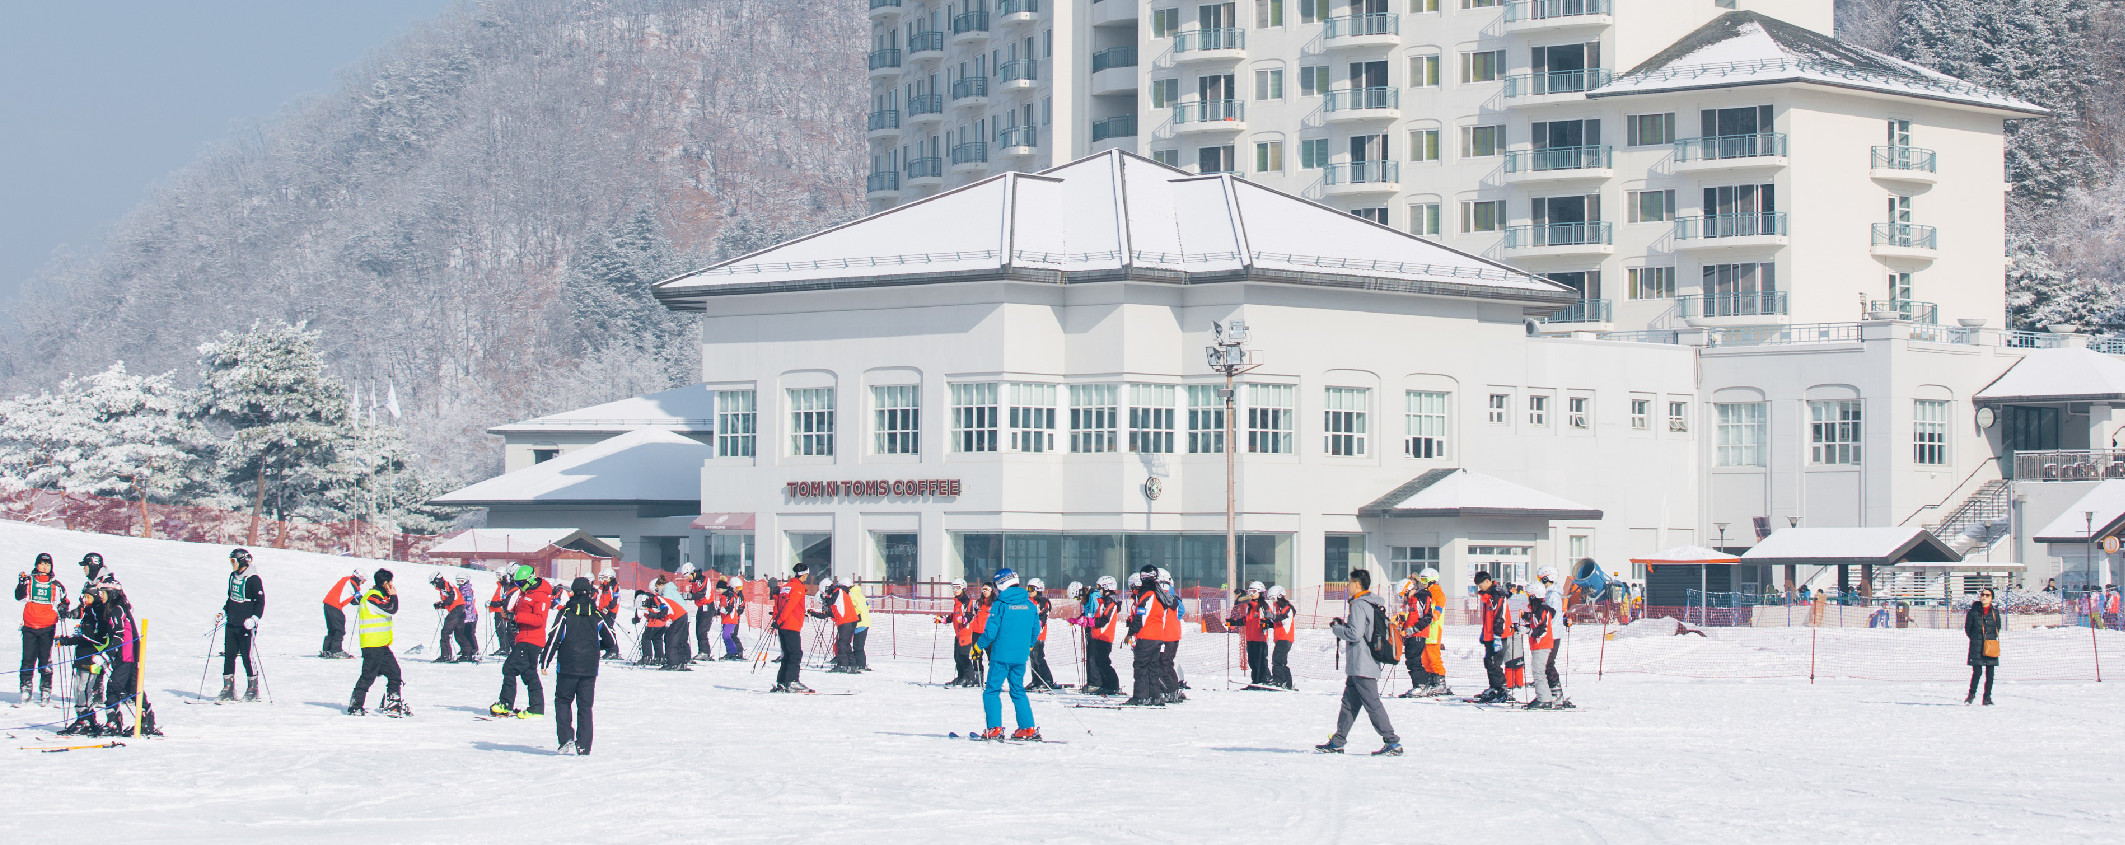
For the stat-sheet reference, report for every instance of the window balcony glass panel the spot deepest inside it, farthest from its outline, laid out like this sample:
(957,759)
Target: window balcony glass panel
(1558,234)
(1208,111)
(925,104)
(887,181)
(1556,82)
(925,42)
(1198,40)
(1746,225)
(1362,172)
(1904,158)
(926,168)
(974,21)
(1906,235)
(1722,147)
(1120,126)
(972,86)
(1023,69)
(889,57)
(1910,310)
(971,152)
(880,4)
(1019,136)
(1351,99)
(1356,25)
(888,119)
(1542,10)
(1558,158)
(1769,303)
(1013,7)
(1114,57)
(1589,311)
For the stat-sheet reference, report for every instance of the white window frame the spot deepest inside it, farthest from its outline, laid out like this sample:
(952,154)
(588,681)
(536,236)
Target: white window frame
(1538,410)
(1641,413)
(1206,419)
(1579,412)
(1151,416)
(1272,414)
(896,419)
(1424,218)
(1741,434)
(737,423)
(1679,416)
(975,417)
(811,419)
(1929,432)
(1343,421)
(1095,418)
(1650,282)
(1835,431)
(1500,409)
(1031,417)
(1425,416)
(1424,71)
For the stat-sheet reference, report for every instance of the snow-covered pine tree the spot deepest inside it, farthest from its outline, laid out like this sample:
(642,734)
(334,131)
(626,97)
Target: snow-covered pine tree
(2040,295)
(109,434)
(286,421)
(608,292)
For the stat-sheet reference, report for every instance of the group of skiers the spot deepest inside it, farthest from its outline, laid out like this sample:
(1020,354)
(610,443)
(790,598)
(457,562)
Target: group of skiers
(1521,646)
(106,640)
(1268,623)
(969,618)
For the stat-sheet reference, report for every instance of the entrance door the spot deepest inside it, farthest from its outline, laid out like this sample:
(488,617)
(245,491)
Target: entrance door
(1220,100)
(1368,85)
(1218,21)
(1565,220)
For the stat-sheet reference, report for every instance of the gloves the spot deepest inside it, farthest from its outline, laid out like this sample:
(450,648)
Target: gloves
(251,624)
(1497,645)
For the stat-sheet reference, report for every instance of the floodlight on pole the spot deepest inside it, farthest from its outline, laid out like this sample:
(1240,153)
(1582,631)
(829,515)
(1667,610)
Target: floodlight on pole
(1229,357)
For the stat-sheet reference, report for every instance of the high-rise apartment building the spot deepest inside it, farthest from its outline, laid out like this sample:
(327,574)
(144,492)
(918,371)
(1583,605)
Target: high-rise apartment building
(1696,163)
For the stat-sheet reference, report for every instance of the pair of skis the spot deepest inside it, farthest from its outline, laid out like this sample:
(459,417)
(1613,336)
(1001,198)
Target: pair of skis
(977,737)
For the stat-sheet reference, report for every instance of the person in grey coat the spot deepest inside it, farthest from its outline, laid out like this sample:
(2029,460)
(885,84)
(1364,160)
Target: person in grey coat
(1361,673)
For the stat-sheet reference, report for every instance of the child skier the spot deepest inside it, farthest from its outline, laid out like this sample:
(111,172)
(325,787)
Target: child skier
(1495,634)
(730,610)
(240,614)
(1103,615)
(1007,637)
(575,647)
(962,618)
(1283,622)
(1246,617)
(373,632)
(344,592)
(1540,620)
(43,600)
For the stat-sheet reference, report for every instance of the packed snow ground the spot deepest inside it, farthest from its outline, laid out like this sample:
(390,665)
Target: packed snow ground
(704,756)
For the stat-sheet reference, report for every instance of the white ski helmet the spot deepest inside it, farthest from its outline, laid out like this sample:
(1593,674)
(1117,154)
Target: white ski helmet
(844,580)
(1276,592)
(1547,573)
(1429,574)
(1254,586)
(1075,587)
(959,584)
(1409,584)
(1164,577)
(1105,582)
(1035,585)
(686,569)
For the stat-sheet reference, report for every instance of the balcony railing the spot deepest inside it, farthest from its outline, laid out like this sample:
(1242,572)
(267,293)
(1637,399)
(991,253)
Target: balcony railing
(888,57)
(1355,99)
(1906,235)
(1750,224)
(1784,335)
(1209,111)
(1376,171)
(1114,57)
(1355,25)
(922,104)
(1723,147)
(1556,82)
(1904,158)
(1559,158)
(1198,40)
(1018,136)
(1910,310)
(1119,126)
(880,4)
(1022,69)
(974,21)
(888,119)
(1589,311)
(925,42)
(2069,465)
(1559,234)
(971,152)
(1767,303)
(887,181)
(1542,10)
(972,86)
(1012,7)
(926,168)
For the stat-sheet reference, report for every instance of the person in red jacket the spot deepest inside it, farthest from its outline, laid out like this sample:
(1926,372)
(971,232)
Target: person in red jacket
(530,599)
(608,602)
(1040,676)
(1155,625)
(343,593)
(43,600)
(1495,633)
(497,609)
(730,611)
(790,612)
(1283,621)
(963,633)
(702,597)
(454,626)
(1103,617)
(650,614)
(841,609)
(1246,617)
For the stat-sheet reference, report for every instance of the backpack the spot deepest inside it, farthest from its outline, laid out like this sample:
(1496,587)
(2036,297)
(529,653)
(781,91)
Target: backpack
(1386,648)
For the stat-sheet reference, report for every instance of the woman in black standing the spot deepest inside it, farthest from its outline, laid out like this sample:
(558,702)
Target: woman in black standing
(1982,626)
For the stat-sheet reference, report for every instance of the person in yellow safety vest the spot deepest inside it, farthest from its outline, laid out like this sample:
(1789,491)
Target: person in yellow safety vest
(373,626)
(861,661)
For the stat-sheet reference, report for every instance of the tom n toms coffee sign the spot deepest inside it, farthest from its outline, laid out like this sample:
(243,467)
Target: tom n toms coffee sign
(920,487)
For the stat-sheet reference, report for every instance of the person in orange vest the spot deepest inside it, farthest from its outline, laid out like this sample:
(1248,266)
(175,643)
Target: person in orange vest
(530,600)
(608,604)
(669,616)
(1041,677)
(1495,634)
(650,614)
(1102,616)
(1541,622)
(1155,628)
(454,627)
(343,593)
(841,609)
(1283,621)
(963,632)
(1246,617)
(698,593)
(790,612)
(730,611)
(43,600)
(1425,624)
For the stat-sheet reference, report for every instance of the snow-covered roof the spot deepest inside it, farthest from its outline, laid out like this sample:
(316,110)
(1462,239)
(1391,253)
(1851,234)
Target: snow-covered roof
(1107,217)
(1463,493)
(2106,501)
(1748,48)
(691,408)
(2059,375)
(1687,554)
(504,543)
(644,465)
(1830,546)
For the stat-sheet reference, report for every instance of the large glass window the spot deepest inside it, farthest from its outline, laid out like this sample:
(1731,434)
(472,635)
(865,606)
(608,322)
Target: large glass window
(897,419)
(811,421)
(1032,417)
(1340,554)
(974,417)
(1343,421)
(1206,420)
(1404,561)
(1151,418)
(731,552)
(1743,430)
(1094,418)
(815,550)
(1929,434)
(1196,560)
(898,553)
(736,423)
(1424,424)
(1271,411)
(1834,431)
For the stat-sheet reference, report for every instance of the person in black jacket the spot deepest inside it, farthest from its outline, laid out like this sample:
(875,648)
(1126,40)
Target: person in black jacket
(240,615)
(94,635)
(574,645)
(1982,625)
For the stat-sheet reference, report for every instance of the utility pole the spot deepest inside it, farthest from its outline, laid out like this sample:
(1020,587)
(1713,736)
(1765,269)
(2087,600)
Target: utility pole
(1227,356)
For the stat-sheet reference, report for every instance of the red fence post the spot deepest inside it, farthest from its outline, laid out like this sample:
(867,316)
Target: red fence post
(1811,655)
(2095,649)
(1601,661)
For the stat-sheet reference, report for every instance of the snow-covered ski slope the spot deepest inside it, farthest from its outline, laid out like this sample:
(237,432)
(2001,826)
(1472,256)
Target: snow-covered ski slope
(698,757)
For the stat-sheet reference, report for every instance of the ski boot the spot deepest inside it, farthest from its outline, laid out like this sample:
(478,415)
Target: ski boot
(228,689)
(500,710)
(1414,692)
(567,749)
(44,697)
(1334,745)
(250,691)
(1493,696)
(1563,704)
(992,734)
(798,686)
(780,688)
(1391,749)
(395,706)
(1537,704)
(25,698)
(356,706)
(1026,734)
(530,714)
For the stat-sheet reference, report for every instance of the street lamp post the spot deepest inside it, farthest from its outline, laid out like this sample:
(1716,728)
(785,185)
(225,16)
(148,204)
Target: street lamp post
(1227,356)
(1704,598)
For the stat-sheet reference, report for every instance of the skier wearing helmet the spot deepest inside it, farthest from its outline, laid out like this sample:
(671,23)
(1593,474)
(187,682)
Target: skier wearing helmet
(240,613)
(468,621)
(1042,677)
(698,592)
(530,598)
(347,590)
(1246,617)
(962,619)
(1283,623)
(840,609)
(1553,596)
(1008,636)
(43,602)
(1155,627)
(1102,617)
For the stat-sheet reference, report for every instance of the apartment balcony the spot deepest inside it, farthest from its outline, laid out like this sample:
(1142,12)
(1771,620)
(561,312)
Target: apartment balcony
(1907,241)
(970,157)
(1017,11)
(970,27)
(1209,116)
(1731,152)
(1554,86)
(970,93)
(1595,311)
(884,9)
(1118,126)
(1727,309)
(1114,69)
(1557,164)
(1379,30)
(925,108)
(1018,141)
(1350,104)
(1208,45)
(1904,164)
(883,124)
(1361,177)
(1557,15)
(925,172)
(1113,12)
(881,185)
(1018,75)
(885,62)
(1561,240)
(1750,230)
(1907,310)
(926,45)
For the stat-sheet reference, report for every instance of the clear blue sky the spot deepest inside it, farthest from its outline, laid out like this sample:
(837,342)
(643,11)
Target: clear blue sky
(101,98)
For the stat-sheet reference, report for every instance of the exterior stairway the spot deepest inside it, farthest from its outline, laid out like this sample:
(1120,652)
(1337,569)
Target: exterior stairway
(1980,520)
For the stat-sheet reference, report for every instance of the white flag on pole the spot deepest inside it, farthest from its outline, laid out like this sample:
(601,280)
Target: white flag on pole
(391,400)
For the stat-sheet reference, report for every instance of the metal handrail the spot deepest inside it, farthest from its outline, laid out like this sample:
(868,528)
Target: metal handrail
(1907,309)
(1372,171)
(1559,158)
(1019,136)
(971,152)
(1355,99)
(1783,335)
(1906,235)
(1557,82)
(1904,158)
(1209,111)
(972,86)
(888,57)
(1724,147)
(1540,10)
(924,42)
(922,104)
(927,167)
(1349,26)
(1559,234)
(880,4)
(1754,304)
(1587,311)
(1021,70)
(1119,126)
(1012,7)
(1114,57)
(887,119)
(886,181)
(1744,225)
(1199,40)
(973,21)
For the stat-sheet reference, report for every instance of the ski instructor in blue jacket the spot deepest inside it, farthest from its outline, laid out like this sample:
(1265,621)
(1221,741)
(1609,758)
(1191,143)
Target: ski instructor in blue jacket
(1008,641)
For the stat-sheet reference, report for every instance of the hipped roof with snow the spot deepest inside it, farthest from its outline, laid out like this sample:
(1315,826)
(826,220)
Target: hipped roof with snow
(1848,546)
(2106,501)
(2059,375)
(645,465)
(690,409)
(1687,554)
(1748,48)
(518,543)
(1109,217)
(1462,493)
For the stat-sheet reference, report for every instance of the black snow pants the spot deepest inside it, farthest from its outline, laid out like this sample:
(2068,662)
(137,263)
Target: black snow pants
(36,657)
(335,631)
(523,663)
(573,696)
(792,656)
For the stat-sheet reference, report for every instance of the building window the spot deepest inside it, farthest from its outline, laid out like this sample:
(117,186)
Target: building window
(1271,411)
(1313,11)
(1032,417)
(811,421)
(542,455)
(737,420)
(1313,80)
(1651,282)
(1578,412)
(1479,141)
(897,423)
(1424,418)
(1650,206)
(1215,160)
(1678,416)
(1833,431)
(1206,420)
(1479,4)
(1649,130)
(1741,430)
(1538,410)
(1268,13)
(1269,157)
(1313,153)
(1169,158)
(1482,215)
(1151,418)
(1376,214)
(1929,434)
(1269,84)
(1404,561)
(1500,405)
(1641,414)
(1094,418)
(1423,71)
(1424,145)
(1424,218)
(1165,22)
(1483,66)
(974,417)
(1343,421)
(1422,6)
(1165,92)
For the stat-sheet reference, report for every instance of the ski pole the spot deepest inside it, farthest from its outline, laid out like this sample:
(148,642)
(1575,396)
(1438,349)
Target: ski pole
(203,670)
(259,662)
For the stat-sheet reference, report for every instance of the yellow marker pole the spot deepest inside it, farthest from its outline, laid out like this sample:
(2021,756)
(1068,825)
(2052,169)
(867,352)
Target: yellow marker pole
(140,675)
